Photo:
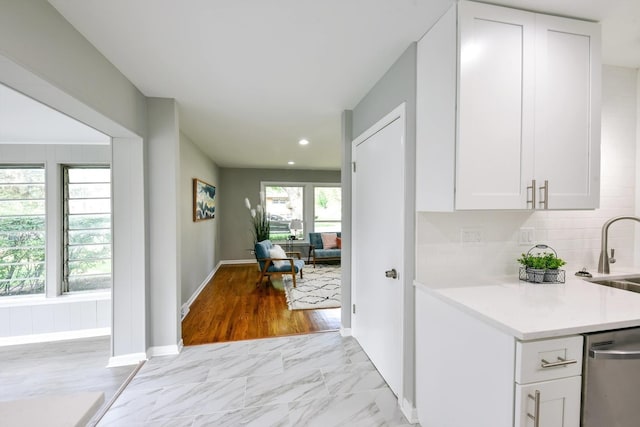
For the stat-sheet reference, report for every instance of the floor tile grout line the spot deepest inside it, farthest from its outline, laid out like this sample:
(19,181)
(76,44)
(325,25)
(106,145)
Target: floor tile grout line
(105,408)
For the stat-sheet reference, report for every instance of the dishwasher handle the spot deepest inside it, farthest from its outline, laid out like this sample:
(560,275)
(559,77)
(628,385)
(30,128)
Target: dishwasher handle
(622,352)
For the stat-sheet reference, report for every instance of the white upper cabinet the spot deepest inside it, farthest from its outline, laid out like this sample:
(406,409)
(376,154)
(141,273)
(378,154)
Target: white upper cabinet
(567,111)
(507,98)
(496,93)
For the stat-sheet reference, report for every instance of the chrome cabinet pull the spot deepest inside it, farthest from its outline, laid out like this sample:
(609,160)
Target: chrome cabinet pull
(536,408)
(560,362)
(533,194)
(545,202)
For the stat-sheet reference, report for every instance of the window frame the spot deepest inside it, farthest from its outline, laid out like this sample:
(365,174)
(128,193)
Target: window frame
(38,166)
(65,244)
(314,205)
(264,186)
(308,206)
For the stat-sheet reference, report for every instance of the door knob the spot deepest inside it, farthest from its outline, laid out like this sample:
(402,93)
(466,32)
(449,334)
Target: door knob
(391,274)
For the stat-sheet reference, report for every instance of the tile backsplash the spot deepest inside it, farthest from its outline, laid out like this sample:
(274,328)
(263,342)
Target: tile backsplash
(448,252)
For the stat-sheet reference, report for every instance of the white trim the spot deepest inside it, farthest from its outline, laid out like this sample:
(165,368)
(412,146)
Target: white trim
(103,410)
(42,299)
(238,261)
(45,142)
(308,200)
(165,350)
(345,332)
(184,310)
(409,411)
(396,113)
(126,359)
(54,336)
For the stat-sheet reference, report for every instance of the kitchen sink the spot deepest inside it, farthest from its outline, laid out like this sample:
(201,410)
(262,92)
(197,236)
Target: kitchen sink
(630,283)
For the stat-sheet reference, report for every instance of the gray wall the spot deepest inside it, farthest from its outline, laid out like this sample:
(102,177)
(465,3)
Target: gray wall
(34,35)
(164,232)
(235,185)
(200,240)
(43,56)
(398,85)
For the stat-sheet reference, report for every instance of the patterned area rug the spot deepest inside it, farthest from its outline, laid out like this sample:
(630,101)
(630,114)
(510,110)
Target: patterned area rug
(320,288)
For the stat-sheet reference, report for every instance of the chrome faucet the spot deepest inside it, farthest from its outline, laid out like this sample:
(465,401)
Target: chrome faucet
(603,264)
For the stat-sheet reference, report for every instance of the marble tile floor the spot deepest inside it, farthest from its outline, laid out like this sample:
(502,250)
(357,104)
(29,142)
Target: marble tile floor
(320,379)
(61,367)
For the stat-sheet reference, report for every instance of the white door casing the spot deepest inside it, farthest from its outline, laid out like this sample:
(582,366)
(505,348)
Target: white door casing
(378,245)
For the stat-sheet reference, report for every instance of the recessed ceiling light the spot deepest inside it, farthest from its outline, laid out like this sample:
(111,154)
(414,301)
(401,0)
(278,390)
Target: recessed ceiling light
(303,142)
(291,162)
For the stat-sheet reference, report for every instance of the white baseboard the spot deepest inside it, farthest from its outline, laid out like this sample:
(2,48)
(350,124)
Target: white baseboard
(54,336)
(165,350)
(345,332)
(126,359)
(409,411)
(184,310)
(240,261)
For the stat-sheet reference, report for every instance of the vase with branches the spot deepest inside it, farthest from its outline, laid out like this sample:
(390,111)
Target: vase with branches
(260,226)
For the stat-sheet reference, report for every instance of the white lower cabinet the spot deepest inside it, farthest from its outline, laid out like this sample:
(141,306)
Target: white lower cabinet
(553,403)
(469,373)
(548,382)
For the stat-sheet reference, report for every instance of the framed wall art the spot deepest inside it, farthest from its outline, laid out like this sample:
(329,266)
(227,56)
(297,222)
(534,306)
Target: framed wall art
(204,200)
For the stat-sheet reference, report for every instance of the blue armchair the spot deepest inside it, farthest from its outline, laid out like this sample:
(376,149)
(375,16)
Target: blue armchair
(267,266)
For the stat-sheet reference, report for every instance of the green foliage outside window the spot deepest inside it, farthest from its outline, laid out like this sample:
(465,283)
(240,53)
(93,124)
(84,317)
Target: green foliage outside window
(87,252)
(22,231)
(87,230)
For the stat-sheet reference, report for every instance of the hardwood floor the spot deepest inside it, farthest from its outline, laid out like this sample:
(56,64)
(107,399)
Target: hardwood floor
(232,308)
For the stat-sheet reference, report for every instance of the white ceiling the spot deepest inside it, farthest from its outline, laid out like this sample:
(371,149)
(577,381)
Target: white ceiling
(251,77)
(23,120)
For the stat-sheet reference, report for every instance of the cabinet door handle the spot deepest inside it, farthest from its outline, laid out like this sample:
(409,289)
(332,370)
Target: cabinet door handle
(545,202)
(536,409)
(560,362)
(533,194)
(615,353)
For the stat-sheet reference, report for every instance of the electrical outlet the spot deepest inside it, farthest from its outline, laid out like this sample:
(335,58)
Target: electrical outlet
(472,236)
(527,236)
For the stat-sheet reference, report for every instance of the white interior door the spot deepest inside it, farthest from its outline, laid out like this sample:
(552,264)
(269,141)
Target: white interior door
(378,216)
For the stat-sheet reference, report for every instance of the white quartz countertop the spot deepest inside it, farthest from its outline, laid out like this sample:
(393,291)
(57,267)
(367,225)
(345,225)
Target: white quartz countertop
(531,311)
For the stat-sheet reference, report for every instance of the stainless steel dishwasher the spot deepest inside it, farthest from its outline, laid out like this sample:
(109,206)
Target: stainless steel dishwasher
(611,379)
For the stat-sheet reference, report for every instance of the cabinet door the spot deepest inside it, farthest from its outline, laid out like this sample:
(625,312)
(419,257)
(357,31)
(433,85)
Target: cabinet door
(567,129)
(495,114)
(559,403)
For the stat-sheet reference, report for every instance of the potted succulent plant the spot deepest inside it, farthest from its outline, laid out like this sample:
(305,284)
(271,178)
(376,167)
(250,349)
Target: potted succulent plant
(535,266)
(552,265)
